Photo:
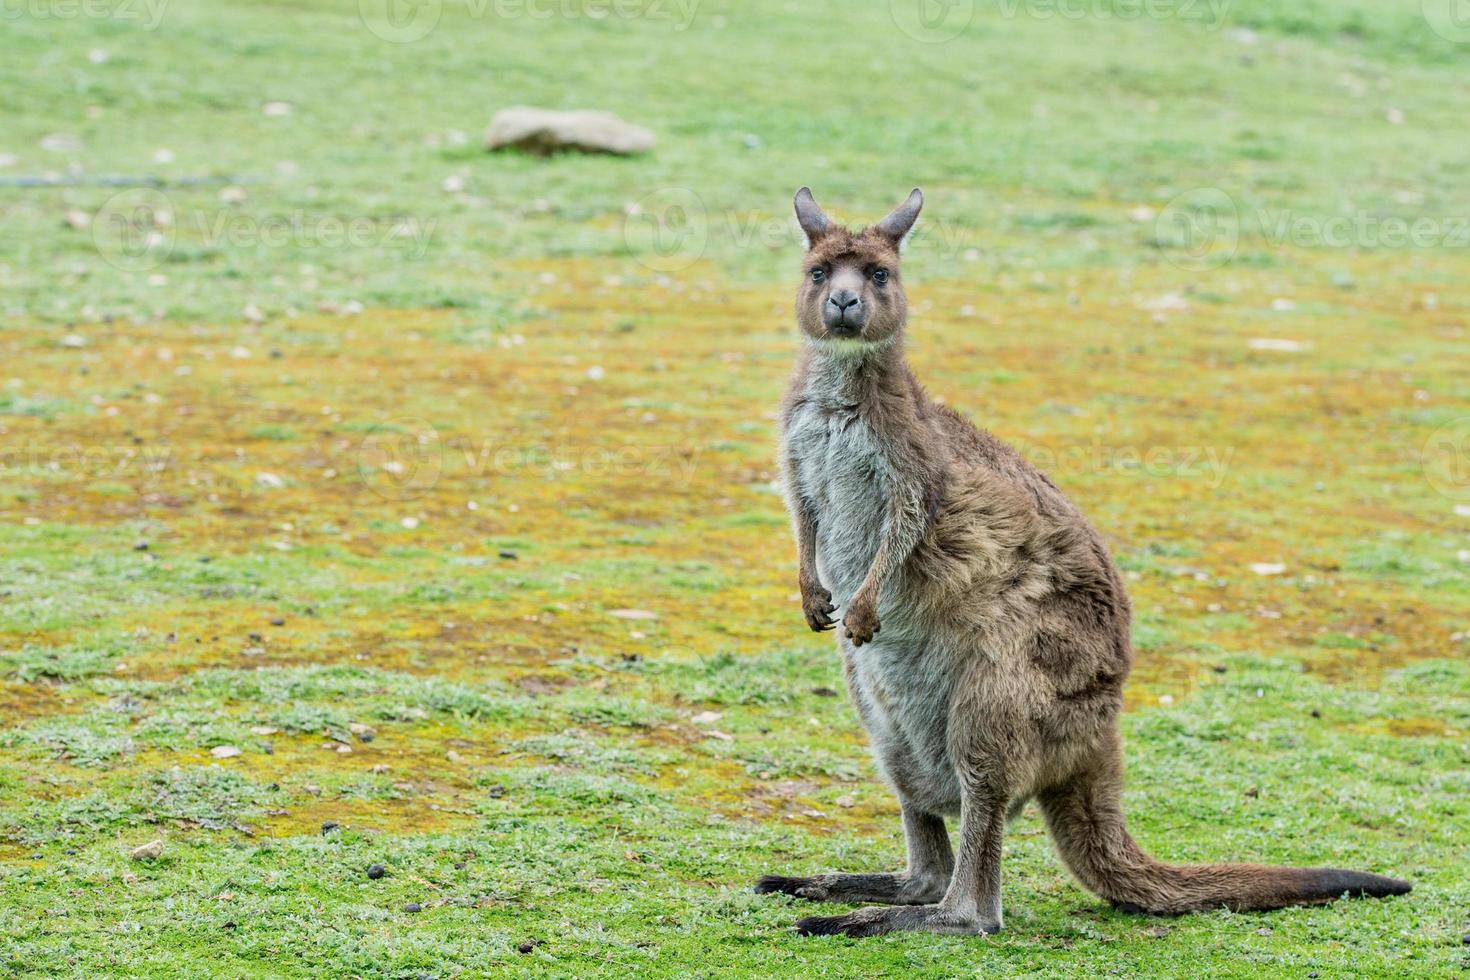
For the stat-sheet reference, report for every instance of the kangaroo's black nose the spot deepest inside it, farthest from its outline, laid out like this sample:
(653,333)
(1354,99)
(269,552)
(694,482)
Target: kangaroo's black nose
(844,299)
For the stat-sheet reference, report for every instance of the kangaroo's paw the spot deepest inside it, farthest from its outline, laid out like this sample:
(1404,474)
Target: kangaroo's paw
(892,889)
(877,921)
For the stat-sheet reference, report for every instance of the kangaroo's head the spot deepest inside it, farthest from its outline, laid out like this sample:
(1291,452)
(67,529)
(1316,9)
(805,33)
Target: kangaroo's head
(850,288)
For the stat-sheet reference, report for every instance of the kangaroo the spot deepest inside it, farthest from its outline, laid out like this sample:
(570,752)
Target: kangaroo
(984,626)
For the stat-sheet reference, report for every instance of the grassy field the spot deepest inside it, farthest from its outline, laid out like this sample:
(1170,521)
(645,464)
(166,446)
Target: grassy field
(366,499)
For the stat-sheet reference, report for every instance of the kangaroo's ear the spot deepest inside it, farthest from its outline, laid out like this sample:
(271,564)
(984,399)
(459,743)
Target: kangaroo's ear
(813,220)
(900,220)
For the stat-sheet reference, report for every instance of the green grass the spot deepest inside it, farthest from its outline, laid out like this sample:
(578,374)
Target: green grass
(275,489)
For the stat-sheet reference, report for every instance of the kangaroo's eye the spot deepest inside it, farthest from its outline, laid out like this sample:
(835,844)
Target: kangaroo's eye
(818,275)
(880,276)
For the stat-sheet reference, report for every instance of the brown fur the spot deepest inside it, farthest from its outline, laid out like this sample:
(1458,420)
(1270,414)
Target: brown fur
(984,628)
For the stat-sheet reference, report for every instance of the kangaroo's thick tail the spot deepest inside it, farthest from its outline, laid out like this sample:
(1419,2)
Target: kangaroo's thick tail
(1085,818)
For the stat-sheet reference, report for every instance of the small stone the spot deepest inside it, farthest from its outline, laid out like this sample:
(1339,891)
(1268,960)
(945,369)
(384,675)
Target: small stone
(78,220)
(846,802)
(706,718)
(632,614)
(278,621)
(454,757)
(509,555)
(140,546)
(412,907)
(528,946)
(824,692)
(74,341)
(1157,932)
(329,825)
(1316,713)
(151,851)
(364,733)
(224,751)
(496,792)
(376,871)
(545,131)
(1275,343)
(276,109)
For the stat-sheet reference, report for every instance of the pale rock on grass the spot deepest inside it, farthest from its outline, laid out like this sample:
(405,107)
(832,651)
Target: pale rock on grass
(546,131)
(151,851)
(1268,568)
(1275,343)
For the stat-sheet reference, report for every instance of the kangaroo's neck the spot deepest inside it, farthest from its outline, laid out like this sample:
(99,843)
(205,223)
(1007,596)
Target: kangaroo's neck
(856,375)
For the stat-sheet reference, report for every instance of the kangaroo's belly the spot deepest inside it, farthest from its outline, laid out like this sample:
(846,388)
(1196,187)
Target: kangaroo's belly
(902,692)
(901,684)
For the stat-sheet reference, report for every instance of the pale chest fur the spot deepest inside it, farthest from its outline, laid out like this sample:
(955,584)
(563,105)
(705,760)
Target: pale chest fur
(842,474)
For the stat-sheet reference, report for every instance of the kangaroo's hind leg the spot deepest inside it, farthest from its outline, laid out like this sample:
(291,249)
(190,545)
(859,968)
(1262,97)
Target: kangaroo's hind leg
(924,881)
